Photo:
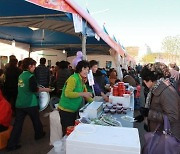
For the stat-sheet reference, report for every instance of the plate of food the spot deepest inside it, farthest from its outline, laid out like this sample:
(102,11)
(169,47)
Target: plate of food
(110,121)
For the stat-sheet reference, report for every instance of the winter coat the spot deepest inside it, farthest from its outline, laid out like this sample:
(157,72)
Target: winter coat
(129,79)
(174,74)
(5,111)
(62,76)
(42,74)
(165,100)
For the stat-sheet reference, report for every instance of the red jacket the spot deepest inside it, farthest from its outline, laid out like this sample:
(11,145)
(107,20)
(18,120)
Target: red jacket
(5,111)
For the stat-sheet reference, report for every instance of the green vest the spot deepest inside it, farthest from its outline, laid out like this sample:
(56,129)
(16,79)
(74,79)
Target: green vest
(73,104)
(25,97)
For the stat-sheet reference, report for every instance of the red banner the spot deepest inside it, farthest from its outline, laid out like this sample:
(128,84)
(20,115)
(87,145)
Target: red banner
(59,5)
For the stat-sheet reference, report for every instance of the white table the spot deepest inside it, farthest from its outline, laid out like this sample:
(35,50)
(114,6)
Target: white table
(130,112)
(124,123)
(53,152)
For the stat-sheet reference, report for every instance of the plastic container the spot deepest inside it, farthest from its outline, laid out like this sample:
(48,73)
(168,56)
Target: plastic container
(121,88)
(57,146)
(109,106)
(77,121)
(120,84)
(106,110)
(119,107)
(119,111)
(69,130)
(115,91)
(4,136)
(114,107)
(112,111)
(127,92)
(63,149)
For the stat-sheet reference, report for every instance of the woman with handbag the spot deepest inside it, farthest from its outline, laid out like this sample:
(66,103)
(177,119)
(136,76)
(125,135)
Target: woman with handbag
(161,100)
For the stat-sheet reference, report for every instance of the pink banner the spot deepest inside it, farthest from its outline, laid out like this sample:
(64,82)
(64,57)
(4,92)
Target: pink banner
(59,5)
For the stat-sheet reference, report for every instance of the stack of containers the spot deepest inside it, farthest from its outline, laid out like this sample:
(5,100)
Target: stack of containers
(120,95)
(115,91)
(121,88)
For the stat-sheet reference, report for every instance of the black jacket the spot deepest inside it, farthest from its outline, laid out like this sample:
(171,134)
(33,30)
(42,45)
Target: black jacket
(42,74)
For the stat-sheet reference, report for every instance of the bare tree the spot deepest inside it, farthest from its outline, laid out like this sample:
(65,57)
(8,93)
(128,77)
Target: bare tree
(171,45)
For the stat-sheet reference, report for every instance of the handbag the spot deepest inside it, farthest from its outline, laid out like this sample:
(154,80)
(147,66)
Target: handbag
(161,142)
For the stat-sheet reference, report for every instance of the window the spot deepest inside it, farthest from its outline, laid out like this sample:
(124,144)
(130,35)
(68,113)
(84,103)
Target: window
(3,61)
(49,63)
(108,64)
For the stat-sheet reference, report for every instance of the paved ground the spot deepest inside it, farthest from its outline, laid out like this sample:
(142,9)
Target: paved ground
(140,126)
(30,146)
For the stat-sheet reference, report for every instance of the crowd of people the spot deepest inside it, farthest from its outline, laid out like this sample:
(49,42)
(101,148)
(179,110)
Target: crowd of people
(21,81)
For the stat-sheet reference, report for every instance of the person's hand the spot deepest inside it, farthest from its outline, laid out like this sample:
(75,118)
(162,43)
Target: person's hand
(86,94)
(48,89)
(139,118)
(44,89)
(106,99)
(144,111)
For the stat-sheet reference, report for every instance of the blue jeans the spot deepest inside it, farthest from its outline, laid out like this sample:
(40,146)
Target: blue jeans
(137,103)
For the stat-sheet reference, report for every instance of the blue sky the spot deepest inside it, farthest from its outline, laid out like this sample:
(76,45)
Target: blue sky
(137,22)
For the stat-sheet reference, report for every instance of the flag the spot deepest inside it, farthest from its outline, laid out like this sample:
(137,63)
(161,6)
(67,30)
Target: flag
(87,30)
(114,38)
(105,30)
(97,37)
(77,21)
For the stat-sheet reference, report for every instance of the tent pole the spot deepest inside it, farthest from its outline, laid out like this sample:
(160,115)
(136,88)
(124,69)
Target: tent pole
(29,53)
(30,50)
(84,47)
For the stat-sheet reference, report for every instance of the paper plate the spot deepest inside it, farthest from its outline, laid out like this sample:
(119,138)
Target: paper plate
(44,99)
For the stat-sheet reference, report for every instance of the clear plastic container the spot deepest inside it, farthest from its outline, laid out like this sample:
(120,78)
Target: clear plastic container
(57,146)
(63,149)
(60,146)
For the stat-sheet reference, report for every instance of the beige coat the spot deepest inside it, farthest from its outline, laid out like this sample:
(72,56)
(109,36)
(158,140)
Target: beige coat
(166,101)
(174,74)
